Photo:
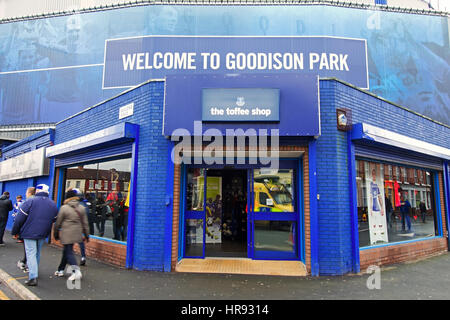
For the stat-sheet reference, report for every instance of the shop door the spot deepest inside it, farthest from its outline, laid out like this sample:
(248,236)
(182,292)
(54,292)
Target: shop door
(215,214)
(194,213)
(226,219)
(273,213)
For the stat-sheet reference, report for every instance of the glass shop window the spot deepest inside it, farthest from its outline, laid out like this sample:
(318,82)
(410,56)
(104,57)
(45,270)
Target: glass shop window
(105,195)
(195,189)
(393,210)
(273,190)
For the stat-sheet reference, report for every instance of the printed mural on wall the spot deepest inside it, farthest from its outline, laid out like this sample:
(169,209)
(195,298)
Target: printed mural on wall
(54,67)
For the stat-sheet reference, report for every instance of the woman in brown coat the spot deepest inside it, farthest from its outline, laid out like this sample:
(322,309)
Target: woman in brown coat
(71,223)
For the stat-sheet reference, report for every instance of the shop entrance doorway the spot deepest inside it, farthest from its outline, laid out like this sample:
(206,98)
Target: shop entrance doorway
(226,218)
(241,212)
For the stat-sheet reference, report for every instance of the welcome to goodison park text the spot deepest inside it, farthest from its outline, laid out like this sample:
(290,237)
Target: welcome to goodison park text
(235,61)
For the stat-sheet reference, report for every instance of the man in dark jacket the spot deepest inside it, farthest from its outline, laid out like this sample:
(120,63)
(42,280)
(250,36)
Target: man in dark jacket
(5,207)
(34,224)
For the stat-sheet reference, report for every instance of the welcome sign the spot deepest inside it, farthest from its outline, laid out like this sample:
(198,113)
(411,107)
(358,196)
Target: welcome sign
(131,61)
(240,104)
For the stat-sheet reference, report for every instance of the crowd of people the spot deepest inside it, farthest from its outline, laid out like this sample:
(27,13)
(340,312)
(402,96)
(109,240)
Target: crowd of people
(34,220)
(102,209)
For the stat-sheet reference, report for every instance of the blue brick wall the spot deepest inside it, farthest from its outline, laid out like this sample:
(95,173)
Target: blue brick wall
(36,141)
(332,186)
(332,167)
(148,250)
(19,187)
(371,110)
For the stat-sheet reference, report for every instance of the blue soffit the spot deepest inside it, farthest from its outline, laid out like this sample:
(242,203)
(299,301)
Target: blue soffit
(364,131)
(117,133)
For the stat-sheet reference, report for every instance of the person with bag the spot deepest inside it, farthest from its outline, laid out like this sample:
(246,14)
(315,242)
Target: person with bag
(70,226)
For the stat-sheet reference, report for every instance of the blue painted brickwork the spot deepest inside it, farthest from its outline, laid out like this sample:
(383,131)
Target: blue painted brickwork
(148,251)
(335,255)
(371,110)
(18,187)
(36,141)
(332,186)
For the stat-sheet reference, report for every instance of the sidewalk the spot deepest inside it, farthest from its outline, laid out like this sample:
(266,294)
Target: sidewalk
(426,279)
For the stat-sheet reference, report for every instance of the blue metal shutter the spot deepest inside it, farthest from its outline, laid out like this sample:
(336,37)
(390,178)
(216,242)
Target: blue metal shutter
(396,155)
(94,154)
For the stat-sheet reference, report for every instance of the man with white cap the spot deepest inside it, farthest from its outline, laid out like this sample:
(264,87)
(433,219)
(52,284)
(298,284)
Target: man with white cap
(34,223)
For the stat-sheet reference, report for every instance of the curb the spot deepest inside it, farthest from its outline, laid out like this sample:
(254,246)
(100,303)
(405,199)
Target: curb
(17,287)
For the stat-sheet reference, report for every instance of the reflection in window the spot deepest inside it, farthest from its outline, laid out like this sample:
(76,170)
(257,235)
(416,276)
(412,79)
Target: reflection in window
(393,210)
(104,186)
(194,189)
(274,235)
(273,190)
(194,238)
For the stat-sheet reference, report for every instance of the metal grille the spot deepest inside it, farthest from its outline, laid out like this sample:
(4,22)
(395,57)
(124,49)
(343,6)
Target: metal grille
(396,155)
(94,154)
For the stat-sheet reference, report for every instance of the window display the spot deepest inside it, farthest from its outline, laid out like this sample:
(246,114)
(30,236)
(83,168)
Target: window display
(105,189)
(395,203)
(195,186)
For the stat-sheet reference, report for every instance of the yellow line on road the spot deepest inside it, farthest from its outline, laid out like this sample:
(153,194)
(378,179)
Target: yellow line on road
(19,278)
(3,296)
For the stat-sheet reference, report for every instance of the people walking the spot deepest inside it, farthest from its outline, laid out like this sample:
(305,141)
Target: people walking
(5,207)
(423,211)
(89,202)
(19,201)
(71,224)
(22,264)
(86,212)
(34,224)
(405,210)
(389,210)
(101,214)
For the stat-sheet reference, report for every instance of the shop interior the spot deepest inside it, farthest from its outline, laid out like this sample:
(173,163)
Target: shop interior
(226,218)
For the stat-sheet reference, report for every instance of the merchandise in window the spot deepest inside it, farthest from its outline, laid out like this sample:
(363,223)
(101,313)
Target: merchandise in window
(195,189)
(105,190)
(394,207)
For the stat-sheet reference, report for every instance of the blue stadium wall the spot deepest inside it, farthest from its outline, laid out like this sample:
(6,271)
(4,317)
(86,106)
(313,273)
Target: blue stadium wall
(53,67)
